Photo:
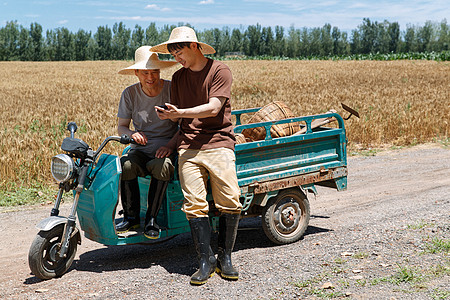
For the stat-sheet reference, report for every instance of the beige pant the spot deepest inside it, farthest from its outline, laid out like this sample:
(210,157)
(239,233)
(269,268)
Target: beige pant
(194,168)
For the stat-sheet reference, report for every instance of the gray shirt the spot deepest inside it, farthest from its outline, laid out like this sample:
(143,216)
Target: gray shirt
(136,105)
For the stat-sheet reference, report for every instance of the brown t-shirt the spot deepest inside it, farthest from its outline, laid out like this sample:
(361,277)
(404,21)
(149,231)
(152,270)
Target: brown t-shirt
(190,89)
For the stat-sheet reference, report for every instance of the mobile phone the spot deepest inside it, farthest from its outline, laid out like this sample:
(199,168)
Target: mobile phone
(163,107)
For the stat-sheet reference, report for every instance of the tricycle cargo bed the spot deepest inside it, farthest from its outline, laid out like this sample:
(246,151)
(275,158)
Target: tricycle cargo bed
(316,157)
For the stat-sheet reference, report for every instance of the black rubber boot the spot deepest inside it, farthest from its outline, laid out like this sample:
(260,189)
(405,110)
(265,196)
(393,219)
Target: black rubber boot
(131,206)
(156,193)
(228,224)
(201,235)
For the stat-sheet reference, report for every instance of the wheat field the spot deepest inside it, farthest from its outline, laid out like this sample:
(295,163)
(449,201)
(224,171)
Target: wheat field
(400,103)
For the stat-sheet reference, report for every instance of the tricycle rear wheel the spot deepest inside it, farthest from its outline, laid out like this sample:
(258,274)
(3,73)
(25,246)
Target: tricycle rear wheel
(286,217)
(43,258)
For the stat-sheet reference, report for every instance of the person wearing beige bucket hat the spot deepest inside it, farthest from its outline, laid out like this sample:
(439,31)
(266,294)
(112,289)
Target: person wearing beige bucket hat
(200,95)
(144,59)
(136,105)
(183,34)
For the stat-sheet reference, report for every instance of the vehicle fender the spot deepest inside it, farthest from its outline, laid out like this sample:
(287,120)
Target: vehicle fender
(53,221)
(309,188)
(263,199)
(267,196)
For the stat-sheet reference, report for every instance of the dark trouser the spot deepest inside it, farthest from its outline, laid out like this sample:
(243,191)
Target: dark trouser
(130,200)
(137,164)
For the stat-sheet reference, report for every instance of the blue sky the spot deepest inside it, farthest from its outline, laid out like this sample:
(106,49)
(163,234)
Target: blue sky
(205,14)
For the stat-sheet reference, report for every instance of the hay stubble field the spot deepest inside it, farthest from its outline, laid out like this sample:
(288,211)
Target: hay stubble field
(400,103)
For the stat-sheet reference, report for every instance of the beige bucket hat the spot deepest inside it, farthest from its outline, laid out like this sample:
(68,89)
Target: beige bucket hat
(180,35)
(144,59)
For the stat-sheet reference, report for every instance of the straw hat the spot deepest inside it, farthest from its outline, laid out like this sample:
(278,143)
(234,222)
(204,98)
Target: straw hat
(180,35)
(144,59)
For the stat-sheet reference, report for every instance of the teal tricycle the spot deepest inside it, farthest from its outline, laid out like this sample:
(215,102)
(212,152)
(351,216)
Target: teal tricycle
(274,175)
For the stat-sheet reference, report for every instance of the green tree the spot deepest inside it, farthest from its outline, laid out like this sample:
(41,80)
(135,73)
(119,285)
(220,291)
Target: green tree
(253,34)
(9,37)
(137,39)
(103,37)
(293,42)
(315,41)
(36,42)
(444,36)
(382,38)
(268,41)
(218,42)
(50,45)
(424,37)
(355,45)
(236,41)
(81,42)
(394,37)
(151,35)
(25,52)
(368,35)
(92,49)
(226,41)
(345,43)
(280,41)
(339,41)
(304,46)
(207,36)
(410,44)
(120,44)
(326,40)
(65,45)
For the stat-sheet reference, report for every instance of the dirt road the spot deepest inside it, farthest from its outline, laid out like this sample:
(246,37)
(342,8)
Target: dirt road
(386,237)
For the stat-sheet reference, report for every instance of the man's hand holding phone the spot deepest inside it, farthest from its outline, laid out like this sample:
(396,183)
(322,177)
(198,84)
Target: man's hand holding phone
(167,111)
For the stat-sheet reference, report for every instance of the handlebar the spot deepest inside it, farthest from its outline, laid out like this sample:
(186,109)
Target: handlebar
(123,139)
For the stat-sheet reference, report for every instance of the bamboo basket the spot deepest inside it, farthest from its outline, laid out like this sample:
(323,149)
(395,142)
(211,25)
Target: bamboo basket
(240,138)
(274,111)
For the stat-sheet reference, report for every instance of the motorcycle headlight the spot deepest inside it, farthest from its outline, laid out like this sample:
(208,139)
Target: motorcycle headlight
(62,167)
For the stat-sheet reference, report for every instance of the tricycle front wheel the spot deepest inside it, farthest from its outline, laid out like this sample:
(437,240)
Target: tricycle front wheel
(286,217)
(43,257)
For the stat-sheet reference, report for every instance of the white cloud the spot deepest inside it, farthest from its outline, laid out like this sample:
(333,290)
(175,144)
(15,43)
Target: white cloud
(62,22)
(206,2)
(156,7)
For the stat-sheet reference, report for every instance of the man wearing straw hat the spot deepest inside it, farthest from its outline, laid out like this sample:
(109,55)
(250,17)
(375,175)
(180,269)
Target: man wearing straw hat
(200,97)
(150,133)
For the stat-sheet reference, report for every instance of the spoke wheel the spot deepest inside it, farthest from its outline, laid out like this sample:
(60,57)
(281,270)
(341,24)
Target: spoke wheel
(43,257)
(286,217)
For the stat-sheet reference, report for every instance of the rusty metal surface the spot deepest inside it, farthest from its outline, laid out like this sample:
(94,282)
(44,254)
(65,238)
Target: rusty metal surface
(321,175)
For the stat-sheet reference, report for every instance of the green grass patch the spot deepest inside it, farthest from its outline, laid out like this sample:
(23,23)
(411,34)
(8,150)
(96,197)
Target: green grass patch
(340,261)
(361,255)
(404,274)
(27,196)
(419,225)
(438,294)
(440,270)
(438,245)
(444,141)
